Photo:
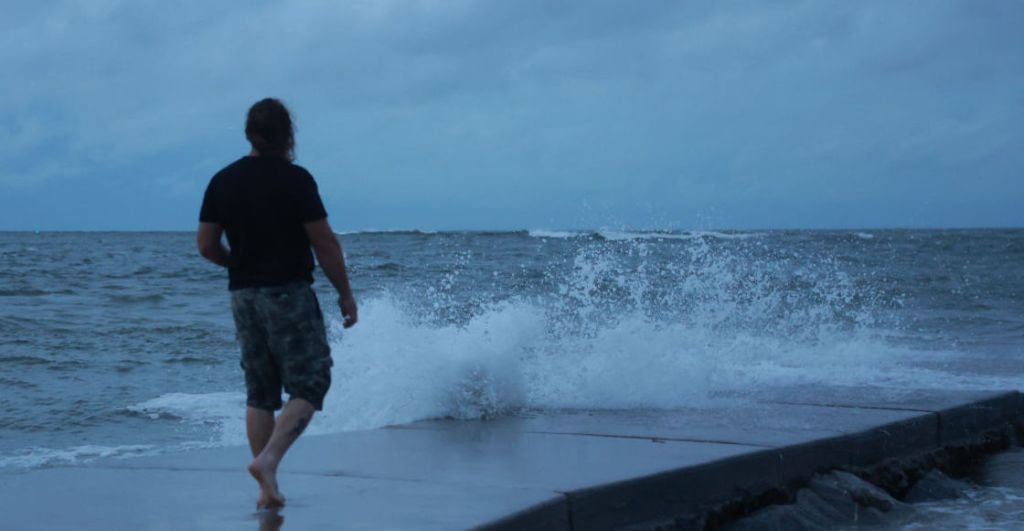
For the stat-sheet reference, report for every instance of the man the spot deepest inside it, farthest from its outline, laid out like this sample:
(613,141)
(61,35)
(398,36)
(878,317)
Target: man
(272,213)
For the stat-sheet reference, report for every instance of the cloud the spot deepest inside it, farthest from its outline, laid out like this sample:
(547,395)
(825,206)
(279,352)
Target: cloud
(432,114)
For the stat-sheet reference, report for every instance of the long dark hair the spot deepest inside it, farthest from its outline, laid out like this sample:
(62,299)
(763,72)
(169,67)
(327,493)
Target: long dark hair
(269,128)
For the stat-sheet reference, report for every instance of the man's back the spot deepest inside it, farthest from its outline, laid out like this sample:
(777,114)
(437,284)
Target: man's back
(263,202)
(272,213)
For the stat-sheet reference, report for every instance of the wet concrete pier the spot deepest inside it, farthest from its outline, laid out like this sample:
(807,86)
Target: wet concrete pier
(569,470)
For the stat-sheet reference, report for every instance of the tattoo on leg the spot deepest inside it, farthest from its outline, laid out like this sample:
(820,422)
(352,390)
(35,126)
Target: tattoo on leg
(300,426)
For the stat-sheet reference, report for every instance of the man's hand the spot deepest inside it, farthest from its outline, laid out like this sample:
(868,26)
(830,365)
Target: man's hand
(348,310)
(328,253)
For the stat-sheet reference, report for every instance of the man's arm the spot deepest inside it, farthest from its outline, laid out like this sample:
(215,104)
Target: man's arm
(332,261)
(208,241)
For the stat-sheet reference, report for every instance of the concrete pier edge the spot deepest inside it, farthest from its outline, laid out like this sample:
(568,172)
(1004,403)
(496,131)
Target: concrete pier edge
(684,468)
(707,496)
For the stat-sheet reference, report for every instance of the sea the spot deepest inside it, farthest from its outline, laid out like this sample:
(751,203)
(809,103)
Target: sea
(122,343)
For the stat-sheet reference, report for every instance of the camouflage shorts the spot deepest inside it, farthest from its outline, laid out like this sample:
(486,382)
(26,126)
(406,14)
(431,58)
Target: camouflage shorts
(284,344)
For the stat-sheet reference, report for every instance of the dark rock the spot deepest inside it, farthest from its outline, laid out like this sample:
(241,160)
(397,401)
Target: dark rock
(935,486)
(836,499)
(891,475)
(861,492)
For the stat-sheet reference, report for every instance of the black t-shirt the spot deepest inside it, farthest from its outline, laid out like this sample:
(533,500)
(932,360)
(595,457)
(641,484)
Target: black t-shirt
(262,203)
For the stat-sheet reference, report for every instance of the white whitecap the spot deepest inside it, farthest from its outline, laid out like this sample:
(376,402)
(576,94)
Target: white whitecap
(35,457)
(542,233)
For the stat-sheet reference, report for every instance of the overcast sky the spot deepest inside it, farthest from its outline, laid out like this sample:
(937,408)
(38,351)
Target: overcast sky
(523,114)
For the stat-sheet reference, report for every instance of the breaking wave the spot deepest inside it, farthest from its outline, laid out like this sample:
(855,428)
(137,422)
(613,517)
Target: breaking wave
(622,327)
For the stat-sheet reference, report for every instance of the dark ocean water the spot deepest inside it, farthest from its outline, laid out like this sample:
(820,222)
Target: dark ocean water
(122,343)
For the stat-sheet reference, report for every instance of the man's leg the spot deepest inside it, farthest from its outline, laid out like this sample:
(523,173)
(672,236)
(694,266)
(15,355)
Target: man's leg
(262,378)
(296,337)
(259,424)
(289,425)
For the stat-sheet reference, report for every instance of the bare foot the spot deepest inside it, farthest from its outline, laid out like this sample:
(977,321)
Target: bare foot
(266,476)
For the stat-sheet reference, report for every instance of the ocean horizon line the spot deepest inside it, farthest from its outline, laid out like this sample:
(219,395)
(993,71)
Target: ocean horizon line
(576,231)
